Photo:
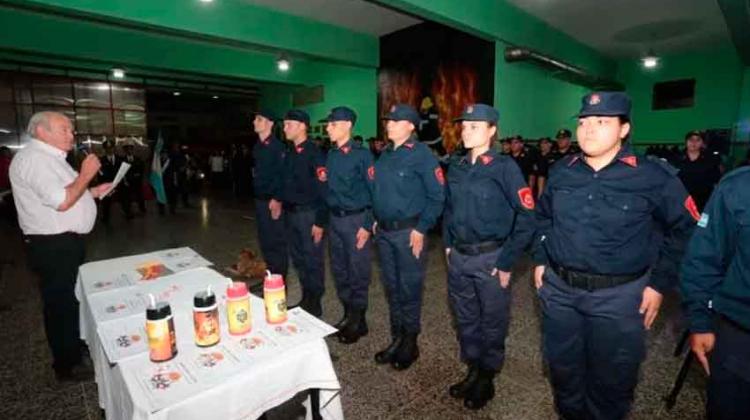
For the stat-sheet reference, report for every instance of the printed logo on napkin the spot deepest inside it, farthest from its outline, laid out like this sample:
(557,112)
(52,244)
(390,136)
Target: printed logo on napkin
(153,270)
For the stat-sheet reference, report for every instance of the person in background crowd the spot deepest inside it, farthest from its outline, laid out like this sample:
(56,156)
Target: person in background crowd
(524,160)
(110,164)
(564,145)
(132,188)
(547,157)
(377,145)
(699,171)
(505,146)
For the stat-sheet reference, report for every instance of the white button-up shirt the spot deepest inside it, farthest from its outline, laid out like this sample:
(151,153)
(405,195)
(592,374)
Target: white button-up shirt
(39,174)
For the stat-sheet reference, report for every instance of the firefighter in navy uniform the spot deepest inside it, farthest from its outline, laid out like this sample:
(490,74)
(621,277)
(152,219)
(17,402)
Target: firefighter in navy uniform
(348,174)
(699,170)
(602,216)
(487,224)
(716,291)
(408,198)
(303,204)
(564,145)
(268,173)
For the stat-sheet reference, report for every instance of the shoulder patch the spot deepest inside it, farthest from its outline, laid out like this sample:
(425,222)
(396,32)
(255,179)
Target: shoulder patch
(526,197)
(439,175)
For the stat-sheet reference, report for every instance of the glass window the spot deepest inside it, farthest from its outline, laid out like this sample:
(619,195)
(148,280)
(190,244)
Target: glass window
(130,123)
(92,94)
(51,91)
(128,98)
(93,121)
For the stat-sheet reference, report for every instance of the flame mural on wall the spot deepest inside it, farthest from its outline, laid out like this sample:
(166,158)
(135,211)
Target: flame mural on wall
(439,71)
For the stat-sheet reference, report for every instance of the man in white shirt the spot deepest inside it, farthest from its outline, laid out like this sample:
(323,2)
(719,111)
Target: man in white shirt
(55,209)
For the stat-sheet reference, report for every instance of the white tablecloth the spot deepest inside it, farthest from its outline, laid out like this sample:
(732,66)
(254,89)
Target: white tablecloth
(240,378)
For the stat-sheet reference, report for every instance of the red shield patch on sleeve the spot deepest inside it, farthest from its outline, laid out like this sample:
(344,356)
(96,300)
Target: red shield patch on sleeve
(371,173)
(692,208)
(526,197)
(322,173)
(439,175)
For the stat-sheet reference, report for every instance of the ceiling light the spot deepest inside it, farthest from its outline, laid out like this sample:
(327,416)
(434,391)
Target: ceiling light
(206,1)
(176,93)
(118,73)
(650,60)
(283,63)
(215,96)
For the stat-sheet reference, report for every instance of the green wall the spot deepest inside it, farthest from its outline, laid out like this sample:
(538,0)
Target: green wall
(531,101)
(743,116)
(352,87)
(718,74)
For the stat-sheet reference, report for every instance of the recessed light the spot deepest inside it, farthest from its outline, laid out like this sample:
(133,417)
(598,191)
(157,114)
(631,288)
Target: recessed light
(118,73)
(176,93)
(283,64)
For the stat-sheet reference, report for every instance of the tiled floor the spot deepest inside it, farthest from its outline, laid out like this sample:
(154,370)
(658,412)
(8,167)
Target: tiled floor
(217,228)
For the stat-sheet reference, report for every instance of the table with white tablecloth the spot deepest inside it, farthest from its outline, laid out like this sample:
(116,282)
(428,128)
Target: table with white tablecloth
(239,378)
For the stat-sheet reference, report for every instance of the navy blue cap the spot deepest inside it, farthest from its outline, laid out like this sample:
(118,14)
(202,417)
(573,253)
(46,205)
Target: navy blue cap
(563,132)
(298,115)
(403,112)
(479,112)
(341,113)
(267,113)
(606,104)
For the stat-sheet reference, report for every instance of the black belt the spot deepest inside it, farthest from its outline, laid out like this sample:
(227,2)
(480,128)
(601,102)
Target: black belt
(52,237)
(394,225)
(589,281)
(295,208)
(343,212)
(478,248)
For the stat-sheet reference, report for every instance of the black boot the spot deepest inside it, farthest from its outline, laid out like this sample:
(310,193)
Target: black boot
(386,355)
(459,389)
(407,352)
(482,391)
(355,328)
(311,304)
(345,319)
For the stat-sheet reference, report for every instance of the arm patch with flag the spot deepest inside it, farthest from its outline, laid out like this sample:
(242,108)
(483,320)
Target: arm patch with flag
(526,197)
(322,173)
(439,175)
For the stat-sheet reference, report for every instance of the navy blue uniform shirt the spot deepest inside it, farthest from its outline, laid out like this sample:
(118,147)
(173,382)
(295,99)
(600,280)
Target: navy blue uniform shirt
(613,221)
(268,171)
(488,201)
(304,179)
(409,183)
(349,174)
(716,268)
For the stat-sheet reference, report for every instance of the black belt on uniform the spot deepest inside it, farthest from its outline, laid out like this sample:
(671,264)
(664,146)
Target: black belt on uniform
(478,248)
(589,281)
(295,208)
(335,211)
(394,225)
